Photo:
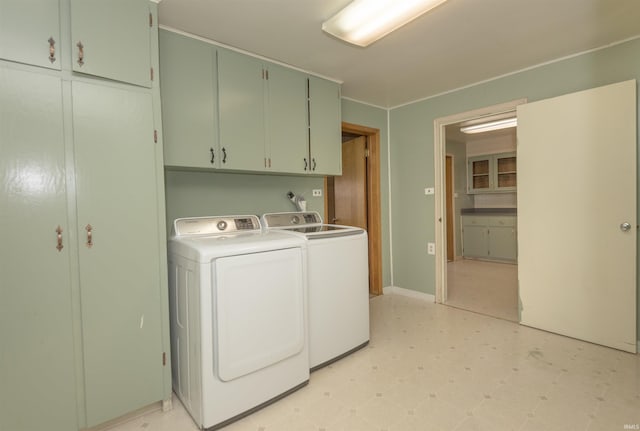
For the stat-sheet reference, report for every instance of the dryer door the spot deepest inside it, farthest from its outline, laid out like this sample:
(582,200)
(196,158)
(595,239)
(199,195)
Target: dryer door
(259,303)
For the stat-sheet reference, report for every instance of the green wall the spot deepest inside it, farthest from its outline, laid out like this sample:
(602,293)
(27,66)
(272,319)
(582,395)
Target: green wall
(371,116)
(198,193)
(412,166)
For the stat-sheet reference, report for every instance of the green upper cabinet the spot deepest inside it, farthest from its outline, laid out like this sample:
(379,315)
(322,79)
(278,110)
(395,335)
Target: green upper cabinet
(286,113)
(30,32)
(262,115)
(241,93)
(119,249)
(494,173)
(37,360)
(189,102)
(112,39)
(226,110)
(505,168)
(325,141)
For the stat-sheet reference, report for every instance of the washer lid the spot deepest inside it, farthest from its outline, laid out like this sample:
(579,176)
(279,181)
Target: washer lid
(202,239)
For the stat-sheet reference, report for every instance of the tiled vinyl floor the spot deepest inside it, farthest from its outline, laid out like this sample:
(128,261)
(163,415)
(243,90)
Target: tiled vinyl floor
(432,367)
(489,288)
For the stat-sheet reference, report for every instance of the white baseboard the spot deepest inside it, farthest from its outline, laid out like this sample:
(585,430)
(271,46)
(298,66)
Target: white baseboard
(387,290)
(408,292)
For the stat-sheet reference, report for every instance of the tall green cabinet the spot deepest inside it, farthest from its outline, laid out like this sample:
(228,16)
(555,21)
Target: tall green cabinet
(37,360)
(83,287)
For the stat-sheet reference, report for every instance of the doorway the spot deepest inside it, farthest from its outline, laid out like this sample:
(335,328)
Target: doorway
(476,259)
(354,197)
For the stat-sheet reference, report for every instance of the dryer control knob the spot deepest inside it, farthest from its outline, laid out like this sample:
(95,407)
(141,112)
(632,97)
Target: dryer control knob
(222,225)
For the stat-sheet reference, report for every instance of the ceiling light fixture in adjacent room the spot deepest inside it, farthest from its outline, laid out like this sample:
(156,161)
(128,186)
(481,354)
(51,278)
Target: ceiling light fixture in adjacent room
(504,123)
(362,22)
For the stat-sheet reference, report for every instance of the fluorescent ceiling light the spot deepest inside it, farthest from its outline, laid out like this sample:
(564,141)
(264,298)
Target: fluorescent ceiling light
(491,125)
(363,22)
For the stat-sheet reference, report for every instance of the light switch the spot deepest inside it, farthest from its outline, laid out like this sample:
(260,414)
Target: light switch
(429,191)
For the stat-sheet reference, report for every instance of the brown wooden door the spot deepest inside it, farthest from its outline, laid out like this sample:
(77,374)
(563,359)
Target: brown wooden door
(351,187)
(449,198)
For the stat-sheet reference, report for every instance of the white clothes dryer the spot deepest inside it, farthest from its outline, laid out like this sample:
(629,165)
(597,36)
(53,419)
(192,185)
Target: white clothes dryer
(338,268)
(238,301)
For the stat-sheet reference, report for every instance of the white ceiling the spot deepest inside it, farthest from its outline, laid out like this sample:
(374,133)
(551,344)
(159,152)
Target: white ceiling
(459,43)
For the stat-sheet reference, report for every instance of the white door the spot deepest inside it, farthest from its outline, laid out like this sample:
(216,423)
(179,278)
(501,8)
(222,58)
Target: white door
(576,190)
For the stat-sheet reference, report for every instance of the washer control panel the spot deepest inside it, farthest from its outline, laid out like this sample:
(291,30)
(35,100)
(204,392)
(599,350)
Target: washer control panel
(216,225)
(291,219)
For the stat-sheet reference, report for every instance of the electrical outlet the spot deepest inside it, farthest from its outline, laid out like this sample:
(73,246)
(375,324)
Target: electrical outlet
(317,192)
(431,248)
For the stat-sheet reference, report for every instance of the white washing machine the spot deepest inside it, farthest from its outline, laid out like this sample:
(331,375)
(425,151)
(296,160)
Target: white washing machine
(338,268)
(238,301)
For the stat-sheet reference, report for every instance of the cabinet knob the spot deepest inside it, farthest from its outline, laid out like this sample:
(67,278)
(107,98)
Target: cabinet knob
(89,230)
(52,50)
(625,227)
(80,54)
(59,247)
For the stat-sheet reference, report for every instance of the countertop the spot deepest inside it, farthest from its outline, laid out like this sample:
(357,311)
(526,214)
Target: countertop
(489,211)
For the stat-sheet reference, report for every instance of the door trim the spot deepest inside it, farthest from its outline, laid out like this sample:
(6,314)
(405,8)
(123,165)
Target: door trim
(449,195)
(373,203)
(439,148)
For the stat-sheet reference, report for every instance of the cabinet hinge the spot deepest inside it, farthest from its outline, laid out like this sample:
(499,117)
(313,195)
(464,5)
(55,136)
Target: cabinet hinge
(164,359)
(150,19)
(267,74)
(155,136)
(152,74)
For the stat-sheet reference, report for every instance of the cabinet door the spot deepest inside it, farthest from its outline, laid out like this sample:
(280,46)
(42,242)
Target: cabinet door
(475,243)
(479,174)
(119,250)
(27,31)
(37,361)
(505,172)
(502,243)
(325,127)
(287,139)
(189,102)
(115,38)
(241,108)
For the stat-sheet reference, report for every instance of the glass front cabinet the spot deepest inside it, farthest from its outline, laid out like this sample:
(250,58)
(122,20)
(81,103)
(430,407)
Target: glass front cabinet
(492,173)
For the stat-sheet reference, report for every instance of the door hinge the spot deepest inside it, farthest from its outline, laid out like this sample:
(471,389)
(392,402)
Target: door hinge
(155,136)
(152,74)
(366,152)
(164,359)
(150,19)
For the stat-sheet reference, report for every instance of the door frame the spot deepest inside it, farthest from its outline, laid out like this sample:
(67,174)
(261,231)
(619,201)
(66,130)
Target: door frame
(449,195)
(439,148)
(374,230)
